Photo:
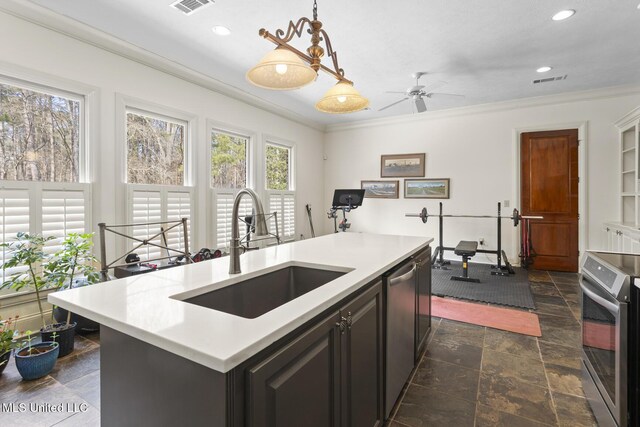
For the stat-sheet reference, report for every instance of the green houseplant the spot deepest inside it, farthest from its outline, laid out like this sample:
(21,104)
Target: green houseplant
(6,341)
(27,251)
(71,267)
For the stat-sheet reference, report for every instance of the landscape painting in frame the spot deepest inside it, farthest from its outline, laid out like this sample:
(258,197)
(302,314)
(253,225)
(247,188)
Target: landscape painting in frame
(426,188)
(402,165)
(381,189)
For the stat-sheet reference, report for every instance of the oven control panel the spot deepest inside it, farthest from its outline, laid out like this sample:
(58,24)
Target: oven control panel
(605,275)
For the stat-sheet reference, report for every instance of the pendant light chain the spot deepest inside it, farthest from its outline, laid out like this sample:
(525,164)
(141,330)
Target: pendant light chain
(315,10)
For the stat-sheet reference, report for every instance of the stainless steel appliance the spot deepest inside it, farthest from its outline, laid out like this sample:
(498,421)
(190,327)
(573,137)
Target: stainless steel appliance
(400,286)
(605,284)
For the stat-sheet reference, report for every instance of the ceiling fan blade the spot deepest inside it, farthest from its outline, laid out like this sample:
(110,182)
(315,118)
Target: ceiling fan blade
(438,94)
(391,105)
(421,107)
(396,92)
(433,86)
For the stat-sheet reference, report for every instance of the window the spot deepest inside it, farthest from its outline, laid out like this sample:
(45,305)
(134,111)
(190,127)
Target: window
(280,189)
(278,167)
(155,149)
(40,135)
(228,160)
(230,166)
(43,165)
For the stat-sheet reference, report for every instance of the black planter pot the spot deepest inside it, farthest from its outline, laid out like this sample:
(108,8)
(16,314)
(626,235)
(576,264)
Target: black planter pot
(4,360)
(83,325)
(65,336)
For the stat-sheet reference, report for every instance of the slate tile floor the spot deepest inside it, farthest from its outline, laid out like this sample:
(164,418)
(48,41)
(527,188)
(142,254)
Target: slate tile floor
(476,376)
(469,375)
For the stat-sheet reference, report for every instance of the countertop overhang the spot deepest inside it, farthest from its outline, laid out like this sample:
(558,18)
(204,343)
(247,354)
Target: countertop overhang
(145,306)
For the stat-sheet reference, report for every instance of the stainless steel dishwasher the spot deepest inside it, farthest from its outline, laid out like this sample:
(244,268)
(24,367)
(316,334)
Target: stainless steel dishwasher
(400,289)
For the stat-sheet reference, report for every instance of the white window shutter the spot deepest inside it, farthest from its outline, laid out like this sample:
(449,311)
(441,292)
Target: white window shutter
(63,212)
(224,210)
(275,205)
(224,205)
(178,207)
(285,205)
(289,216)
(146,207)
(14,218)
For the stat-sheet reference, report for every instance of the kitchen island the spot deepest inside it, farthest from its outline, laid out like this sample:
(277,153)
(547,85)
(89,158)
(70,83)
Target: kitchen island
(167,357)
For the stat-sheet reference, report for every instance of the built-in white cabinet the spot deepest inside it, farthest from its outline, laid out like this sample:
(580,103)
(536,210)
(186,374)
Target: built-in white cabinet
(624,235)
(617,237)
(629,128)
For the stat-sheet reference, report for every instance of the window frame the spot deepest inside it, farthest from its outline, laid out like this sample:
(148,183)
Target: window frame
(252,173)
(291,191)
(187,164)
(292,156)
(77,93)
(123,189)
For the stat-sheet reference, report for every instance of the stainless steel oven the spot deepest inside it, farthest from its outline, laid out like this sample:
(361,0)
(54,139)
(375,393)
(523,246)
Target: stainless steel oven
(605,285)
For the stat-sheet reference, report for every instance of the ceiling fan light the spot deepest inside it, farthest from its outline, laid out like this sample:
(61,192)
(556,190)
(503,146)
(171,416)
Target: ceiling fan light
(281,69)
(342,98)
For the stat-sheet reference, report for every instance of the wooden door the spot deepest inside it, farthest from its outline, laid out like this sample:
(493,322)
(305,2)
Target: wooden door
(299,385)
(549,187)
(362,361)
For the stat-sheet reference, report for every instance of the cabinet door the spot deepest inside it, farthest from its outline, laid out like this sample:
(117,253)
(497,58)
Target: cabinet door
(299,385)
(362,387)
(423,300)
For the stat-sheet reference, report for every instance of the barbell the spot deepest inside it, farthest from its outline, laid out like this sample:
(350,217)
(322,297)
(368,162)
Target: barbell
(424,215)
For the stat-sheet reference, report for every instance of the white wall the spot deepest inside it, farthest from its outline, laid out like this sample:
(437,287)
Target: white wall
(32,52)
(476,149)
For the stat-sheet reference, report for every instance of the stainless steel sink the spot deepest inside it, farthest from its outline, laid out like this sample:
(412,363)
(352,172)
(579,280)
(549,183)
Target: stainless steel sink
(256,296)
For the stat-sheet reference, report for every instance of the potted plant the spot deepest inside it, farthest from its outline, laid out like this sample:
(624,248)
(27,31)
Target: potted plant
(36,360)
(72,267)
(28,251)
(6,341)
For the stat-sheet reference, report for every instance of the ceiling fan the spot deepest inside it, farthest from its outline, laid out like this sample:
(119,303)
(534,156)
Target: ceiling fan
(416,93)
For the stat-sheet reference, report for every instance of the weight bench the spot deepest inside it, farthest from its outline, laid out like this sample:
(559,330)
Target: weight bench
(466,249)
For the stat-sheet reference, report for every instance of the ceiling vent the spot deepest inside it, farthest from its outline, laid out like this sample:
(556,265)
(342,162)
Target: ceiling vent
(550,79)
(190,6)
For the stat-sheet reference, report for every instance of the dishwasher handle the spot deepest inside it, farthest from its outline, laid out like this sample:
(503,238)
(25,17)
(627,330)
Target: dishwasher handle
(394,280)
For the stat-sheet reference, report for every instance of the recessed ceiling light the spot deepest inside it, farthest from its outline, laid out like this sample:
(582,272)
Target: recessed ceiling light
(543,69)
(563,14)
(221,31)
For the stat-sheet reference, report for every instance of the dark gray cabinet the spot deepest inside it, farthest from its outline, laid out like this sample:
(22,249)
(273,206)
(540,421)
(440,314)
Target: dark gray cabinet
(423,300)
(330,375)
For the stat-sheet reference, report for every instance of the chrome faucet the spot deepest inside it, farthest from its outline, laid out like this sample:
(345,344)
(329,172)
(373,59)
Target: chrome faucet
(258,222)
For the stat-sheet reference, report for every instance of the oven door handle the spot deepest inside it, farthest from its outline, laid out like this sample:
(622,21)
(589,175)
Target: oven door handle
(613,308)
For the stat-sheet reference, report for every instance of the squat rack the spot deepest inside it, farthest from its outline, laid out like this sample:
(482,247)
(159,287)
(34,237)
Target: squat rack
(438,260)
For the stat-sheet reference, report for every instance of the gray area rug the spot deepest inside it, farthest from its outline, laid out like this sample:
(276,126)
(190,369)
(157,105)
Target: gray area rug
(512,290)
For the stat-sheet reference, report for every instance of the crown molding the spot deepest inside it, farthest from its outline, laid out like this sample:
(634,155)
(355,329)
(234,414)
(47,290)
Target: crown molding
(631,117)
(538,101)
(72,28)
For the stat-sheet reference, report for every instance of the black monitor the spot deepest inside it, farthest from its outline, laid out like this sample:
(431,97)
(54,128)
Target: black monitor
(348,198)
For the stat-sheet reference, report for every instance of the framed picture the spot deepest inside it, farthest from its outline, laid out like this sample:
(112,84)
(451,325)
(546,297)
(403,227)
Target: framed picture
(432,188)
(381,189)
(401,165)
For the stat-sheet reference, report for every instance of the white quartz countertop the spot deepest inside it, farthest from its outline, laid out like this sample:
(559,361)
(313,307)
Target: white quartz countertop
(149,307)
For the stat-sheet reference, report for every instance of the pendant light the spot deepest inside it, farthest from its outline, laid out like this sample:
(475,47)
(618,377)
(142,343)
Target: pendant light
(342,98)
(286,67)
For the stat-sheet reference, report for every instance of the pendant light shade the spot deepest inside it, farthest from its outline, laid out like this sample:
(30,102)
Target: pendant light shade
(342,98)
(281,69)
